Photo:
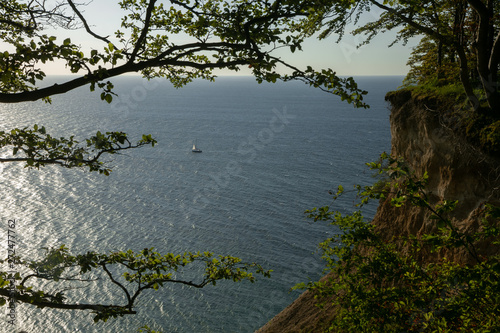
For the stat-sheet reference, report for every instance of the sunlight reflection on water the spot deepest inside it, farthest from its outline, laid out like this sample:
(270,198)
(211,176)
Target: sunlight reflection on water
(255,212)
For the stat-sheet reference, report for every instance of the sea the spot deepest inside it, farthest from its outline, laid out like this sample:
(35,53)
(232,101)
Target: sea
(270,152)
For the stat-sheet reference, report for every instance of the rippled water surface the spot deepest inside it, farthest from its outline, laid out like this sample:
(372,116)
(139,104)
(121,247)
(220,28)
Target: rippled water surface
(269,153)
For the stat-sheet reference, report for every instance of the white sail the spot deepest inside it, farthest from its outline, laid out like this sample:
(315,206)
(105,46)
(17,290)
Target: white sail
(195,150)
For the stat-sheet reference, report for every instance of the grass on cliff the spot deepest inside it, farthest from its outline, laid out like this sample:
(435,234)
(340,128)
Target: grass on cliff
(480,125)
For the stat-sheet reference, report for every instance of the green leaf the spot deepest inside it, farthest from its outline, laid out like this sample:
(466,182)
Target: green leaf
(441,223)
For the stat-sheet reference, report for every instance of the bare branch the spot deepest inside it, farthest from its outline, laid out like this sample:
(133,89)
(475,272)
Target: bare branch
(85,24)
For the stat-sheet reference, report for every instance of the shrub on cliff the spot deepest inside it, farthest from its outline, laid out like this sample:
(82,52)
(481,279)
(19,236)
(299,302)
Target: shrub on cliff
(377,287)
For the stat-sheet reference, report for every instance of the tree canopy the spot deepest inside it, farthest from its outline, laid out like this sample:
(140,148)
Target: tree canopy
(462,31)
(218,34)
(230,34)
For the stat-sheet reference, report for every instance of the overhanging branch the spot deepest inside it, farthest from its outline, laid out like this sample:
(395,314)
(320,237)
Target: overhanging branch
(409,21)
(144,31)
(66,306)
(129,67)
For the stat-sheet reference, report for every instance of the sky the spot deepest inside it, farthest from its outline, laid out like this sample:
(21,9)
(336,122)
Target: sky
(375,58)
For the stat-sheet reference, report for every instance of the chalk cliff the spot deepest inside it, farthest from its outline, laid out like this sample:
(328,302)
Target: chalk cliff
(421,134)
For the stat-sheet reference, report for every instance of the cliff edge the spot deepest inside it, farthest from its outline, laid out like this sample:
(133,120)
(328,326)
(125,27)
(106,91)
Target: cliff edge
(422,133)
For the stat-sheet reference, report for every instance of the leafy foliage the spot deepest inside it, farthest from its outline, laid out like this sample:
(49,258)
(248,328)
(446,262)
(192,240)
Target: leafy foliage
(460,38)
(426,66)
(146,329)
(216,34)
(378,288)
(37,148)
(131,272)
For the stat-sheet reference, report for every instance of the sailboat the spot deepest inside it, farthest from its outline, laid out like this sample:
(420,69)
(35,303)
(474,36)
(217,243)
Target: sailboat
(195,150)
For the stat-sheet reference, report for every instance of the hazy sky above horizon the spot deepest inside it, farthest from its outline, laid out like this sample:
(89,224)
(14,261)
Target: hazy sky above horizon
(375,58)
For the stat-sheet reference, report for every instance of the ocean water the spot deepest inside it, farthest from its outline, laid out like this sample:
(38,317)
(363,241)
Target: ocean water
(270,152)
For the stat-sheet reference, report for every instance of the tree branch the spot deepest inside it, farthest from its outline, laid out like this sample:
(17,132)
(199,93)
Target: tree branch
(479,7)
(17,25)
(65,160)
(54,305)
(495,54)
(419,27)
(144,31)
(57,89)
(129,299)
(39,148)
(85,24)
(129,67)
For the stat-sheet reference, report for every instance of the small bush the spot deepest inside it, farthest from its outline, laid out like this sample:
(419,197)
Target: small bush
(375,287)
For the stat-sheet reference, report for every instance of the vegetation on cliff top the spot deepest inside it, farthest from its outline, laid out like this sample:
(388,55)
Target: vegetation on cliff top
(455,63)
(480,127)
(458,75)
(434,80)
(461,39)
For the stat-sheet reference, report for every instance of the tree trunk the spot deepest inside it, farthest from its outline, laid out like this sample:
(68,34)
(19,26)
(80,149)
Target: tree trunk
(485,50)
(460,46)
(440,75)
(465,78)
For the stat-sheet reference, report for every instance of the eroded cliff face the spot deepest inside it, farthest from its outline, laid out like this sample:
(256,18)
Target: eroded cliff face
(457,171)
